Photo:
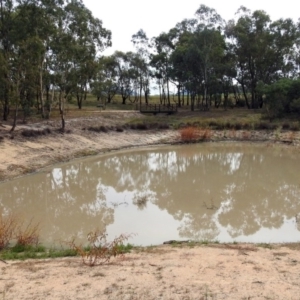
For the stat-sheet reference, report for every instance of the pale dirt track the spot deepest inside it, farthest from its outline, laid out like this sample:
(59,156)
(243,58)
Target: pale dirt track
(214,272)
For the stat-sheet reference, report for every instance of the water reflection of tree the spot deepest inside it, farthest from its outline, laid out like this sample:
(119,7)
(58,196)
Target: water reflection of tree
(68,201)
(250,187)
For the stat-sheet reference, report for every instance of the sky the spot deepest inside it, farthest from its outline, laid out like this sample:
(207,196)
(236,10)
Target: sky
(126,17)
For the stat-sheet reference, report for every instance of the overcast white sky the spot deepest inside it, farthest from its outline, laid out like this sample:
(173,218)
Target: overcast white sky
(125,17)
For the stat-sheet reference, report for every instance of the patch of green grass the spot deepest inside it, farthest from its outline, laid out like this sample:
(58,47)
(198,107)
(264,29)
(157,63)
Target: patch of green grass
(125,248)
(239,118)
(120,248)
(85,152)
(265,245)
(20,252)
(18,248)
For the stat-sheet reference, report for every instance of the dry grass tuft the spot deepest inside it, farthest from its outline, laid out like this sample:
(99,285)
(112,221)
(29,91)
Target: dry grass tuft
(12,229)
(8,225)
(27,235)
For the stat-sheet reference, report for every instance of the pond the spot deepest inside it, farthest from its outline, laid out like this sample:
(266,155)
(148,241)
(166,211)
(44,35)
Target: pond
(226,192)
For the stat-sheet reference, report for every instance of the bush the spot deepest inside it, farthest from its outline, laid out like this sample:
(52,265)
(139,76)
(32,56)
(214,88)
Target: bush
(119,129)
(35,132)
(286,126)
(212,123)
(188,134)
(98,129)
(238,126)
(265,126)
(140,126)
(247,126)
(228,125)
(192,134)
(163,126)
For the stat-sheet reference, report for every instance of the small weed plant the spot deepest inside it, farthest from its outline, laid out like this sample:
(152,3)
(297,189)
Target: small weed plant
(99,251)
(8,225)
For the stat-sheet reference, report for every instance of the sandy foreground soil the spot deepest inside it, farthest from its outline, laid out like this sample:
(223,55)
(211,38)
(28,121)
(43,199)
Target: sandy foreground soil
(162,272)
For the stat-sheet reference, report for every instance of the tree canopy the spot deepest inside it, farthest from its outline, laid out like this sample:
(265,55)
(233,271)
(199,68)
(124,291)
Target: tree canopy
(50,51)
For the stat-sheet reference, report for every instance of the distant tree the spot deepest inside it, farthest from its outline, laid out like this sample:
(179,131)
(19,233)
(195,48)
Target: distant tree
(141,64)
(105,83)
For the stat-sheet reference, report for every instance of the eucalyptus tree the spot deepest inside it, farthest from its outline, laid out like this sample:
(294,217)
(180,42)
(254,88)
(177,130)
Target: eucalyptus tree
(35,26)
(141,64)
(79,38)
(164,45)
(6,19)
(191,53)
(47,45)
(126,73)
(263,50)
(105,83)
(90,39)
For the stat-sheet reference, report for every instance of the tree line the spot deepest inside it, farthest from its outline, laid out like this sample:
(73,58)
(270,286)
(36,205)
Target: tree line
(50,52)
(246,60)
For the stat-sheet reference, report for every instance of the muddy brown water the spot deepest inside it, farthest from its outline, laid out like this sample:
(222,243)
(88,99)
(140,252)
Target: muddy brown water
(216,192)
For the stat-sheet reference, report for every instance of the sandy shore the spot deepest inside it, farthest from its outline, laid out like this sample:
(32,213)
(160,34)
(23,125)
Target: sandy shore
(164,272)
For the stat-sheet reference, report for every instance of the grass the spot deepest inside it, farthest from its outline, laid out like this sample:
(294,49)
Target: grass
(22,252)
(265,245)
(85,152)
(35,252)
(99,129)
(239,118)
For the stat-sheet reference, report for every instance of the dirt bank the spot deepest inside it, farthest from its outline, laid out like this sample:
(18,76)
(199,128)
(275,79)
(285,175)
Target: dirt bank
(164,272)
(21,154)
